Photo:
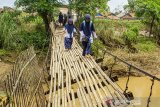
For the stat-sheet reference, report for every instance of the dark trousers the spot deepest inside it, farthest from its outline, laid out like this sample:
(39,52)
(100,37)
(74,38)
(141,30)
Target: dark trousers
(68,43)
(86,47)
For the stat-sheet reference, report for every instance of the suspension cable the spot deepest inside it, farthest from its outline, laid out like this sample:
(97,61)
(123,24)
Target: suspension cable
(149,98)
(112,66)
(129,74)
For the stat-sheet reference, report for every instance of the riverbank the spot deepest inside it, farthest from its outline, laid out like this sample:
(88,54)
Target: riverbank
(4,69)
(148,61)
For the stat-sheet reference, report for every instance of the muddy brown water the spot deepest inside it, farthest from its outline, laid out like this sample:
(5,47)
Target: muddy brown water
(140,87)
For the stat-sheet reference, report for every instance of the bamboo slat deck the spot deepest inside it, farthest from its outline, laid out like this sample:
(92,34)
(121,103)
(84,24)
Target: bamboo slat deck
(3,100)
(77,81)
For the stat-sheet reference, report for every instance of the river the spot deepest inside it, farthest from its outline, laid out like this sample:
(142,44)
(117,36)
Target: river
(140,87)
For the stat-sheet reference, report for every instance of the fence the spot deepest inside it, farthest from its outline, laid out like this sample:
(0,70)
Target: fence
(24,84)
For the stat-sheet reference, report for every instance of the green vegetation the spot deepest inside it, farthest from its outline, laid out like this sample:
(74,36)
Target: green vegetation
(125,40)
(19,30)
(124,35)
(8,28)
(2,52)
(120,24)
(45,9)
(88,6)
(149,11)
(97,48)
(130,37)
(146,45)
(112,31)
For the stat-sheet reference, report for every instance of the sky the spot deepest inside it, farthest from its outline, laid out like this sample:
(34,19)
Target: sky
(9,3)
(113,4)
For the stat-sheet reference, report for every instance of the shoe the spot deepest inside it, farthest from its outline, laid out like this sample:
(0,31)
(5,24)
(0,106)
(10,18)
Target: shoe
(87,56)
(66,50)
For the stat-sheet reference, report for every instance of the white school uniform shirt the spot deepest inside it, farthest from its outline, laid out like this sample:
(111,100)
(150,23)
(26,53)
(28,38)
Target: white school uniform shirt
(67,35)
(93,35)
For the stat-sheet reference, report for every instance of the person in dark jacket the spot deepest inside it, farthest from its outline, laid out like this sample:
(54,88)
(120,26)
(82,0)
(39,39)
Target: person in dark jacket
(87,32)
(65,20)
(60,18)
(69,33)
(69,15)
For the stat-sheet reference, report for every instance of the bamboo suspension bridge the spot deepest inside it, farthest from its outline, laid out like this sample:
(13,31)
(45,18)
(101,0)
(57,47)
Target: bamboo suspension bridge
(70,67)
(75,81)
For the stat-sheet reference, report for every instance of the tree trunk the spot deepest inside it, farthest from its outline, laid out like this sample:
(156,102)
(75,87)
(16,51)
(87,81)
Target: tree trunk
(46,19)
(158,35)
(151,26)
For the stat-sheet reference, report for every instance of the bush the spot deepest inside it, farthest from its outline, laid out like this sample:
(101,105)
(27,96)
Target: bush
(8,28)
(35,38)
(130,38)
(2,52)
(135,29)
(97,46)
(32,19)
(19,37)
(118,33)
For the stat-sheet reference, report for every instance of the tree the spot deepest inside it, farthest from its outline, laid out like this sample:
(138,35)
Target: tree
(117,10)
(149,10)
(88,6)
(130,7)
(45,8)
(8,24)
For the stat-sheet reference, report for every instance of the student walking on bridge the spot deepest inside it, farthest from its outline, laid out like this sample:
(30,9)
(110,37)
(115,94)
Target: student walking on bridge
(70,30)
(65,20)
(60,18)
(87,32)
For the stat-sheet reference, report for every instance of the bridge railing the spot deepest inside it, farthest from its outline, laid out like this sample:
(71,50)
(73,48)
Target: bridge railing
(130,67)
(24,84)
(129,95)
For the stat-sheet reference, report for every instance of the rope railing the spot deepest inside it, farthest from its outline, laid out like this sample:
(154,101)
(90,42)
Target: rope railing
(134,67)
(130,66)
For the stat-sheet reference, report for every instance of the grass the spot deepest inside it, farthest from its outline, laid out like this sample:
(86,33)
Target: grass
(148,61)
(112,31)
(3,52)
(147,51)
(146,44)
(122,23)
